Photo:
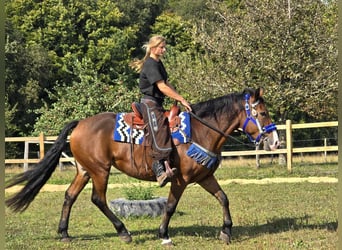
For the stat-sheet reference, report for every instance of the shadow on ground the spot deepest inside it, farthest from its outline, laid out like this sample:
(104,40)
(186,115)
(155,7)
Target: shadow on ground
(240,233)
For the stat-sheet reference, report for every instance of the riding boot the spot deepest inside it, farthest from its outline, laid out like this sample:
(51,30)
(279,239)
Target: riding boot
(159,170)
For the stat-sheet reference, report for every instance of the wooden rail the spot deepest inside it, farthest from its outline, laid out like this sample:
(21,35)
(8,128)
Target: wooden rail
(289,150)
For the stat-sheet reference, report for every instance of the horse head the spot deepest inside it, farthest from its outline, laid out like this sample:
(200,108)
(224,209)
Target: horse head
(258,125)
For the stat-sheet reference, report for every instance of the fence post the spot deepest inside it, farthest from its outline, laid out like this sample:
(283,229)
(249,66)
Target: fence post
(325,152)
(26,154)
(289,145)
(41,145)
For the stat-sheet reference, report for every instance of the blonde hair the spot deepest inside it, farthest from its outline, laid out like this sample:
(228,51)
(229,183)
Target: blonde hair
(152,43)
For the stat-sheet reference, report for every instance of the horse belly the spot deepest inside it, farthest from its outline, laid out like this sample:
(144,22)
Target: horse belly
(132,160)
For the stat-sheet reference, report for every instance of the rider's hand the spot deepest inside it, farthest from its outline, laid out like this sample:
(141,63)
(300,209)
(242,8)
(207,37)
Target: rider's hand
(186,105)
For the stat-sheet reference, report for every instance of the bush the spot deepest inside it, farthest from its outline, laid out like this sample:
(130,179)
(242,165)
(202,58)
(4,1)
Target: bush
(138,192)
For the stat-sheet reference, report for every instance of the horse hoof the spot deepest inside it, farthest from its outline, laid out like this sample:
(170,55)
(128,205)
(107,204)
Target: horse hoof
(66,239)
(225,237)
(167,243)
(126,238)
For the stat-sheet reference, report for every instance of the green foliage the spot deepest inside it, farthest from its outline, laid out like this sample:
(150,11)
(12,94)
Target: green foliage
(250,44)
(9,116)
(291,52)
(189,9)
(176,31)
(140,14)
(11,128)
(85,97)
(138,192)
(68,60)
(45,39)
(26,73)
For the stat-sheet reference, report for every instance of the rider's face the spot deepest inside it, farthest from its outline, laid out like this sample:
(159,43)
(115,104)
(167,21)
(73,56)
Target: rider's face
(159,50)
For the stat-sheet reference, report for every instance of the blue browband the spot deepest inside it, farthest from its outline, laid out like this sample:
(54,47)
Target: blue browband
(266,129)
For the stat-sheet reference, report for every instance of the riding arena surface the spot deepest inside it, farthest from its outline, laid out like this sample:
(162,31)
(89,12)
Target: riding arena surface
(57,188)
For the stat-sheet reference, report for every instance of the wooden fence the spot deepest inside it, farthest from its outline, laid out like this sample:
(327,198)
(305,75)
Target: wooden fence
(288,150)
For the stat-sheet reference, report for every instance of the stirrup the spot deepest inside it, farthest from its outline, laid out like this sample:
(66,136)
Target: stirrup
(169,171)
(165,177)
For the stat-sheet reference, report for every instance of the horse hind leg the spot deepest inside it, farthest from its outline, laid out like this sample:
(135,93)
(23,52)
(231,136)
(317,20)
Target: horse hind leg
(100,182)
(77,185)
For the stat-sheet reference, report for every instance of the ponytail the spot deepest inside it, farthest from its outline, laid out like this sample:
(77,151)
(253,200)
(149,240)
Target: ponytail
(154,41)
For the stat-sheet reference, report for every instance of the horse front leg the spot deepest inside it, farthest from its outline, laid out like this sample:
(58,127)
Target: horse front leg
(211,185)
(175,193)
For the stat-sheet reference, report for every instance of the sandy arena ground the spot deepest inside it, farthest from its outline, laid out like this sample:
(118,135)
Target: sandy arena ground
(59,188)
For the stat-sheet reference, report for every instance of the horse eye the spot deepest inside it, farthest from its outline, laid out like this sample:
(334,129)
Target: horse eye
(263,113)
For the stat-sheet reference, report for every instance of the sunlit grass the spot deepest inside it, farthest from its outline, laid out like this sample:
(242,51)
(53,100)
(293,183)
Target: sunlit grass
(230,168)
(273,216)
(269,216)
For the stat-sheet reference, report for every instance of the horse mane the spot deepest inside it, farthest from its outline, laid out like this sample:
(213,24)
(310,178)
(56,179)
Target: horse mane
(213,108)
(229,104)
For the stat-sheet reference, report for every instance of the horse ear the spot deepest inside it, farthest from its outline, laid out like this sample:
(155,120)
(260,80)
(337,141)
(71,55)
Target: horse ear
(248,91)
(259,92)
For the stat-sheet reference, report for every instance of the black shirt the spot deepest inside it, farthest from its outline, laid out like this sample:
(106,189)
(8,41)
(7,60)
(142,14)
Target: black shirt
(152,72)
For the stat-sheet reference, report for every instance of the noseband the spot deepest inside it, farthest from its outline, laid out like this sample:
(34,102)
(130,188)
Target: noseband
(250,117)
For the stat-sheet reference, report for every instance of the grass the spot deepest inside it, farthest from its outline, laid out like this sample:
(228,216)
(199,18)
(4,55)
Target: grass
(277,216)
(232,168)
(270,216)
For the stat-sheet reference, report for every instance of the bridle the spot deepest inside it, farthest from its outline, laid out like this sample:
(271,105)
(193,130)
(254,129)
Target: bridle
(250,117)
(253,117)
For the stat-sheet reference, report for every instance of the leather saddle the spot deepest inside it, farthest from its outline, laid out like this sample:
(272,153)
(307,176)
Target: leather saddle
(135,119)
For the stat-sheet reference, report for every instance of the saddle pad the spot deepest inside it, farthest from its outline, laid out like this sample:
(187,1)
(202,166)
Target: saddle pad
(183,134)
(124,133)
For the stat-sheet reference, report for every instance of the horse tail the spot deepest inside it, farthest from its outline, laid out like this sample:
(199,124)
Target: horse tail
(36,177)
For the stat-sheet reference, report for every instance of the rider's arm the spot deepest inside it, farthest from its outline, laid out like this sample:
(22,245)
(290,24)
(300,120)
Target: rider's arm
(170,91)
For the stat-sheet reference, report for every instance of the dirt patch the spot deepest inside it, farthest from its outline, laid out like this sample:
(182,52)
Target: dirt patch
(61,188)
(282,180)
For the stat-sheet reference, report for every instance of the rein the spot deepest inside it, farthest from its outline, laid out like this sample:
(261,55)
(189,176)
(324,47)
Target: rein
(209,125)
(216,129)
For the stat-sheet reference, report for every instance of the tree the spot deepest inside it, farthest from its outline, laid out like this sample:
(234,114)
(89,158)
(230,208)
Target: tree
(290,50)
(181,49)
(86,96)
(188,10)
(44,39)
(140,14)
(175,30)
(101,80)
(26,76)
(221,47)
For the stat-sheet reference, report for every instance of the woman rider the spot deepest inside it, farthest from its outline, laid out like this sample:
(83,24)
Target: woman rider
(154,85)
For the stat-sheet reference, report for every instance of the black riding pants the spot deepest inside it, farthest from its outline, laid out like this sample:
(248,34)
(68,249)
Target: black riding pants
(158,128)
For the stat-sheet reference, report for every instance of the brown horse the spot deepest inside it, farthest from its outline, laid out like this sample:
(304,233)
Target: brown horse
(95,152)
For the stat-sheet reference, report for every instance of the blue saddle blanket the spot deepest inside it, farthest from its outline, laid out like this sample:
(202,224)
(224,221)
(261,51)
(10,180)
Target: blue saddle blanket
(124,133)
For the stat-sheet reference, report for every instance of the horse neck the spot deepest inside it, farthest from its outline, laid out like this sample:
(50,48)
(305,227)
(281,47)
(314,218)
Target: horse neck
(210,139)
